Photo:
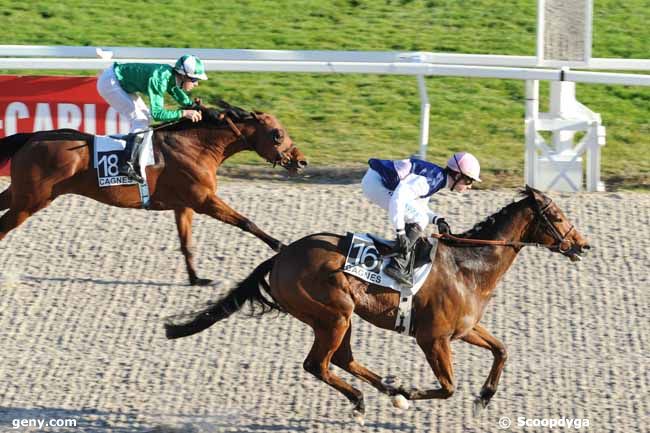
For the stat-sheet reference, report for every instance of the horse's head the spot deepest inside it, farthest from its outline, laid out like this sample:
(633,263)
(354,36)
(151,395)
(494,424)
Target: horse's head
(260,132)
(551,227)
(272,142)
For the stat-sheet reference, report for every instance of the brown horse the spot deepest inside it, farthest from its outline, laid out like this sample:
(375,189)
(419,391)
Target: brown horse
(306,280)
(45,165)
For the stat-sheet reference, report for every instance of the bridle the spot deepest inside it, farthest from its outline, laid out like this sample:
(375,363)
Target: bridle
(281,156)
(549,227)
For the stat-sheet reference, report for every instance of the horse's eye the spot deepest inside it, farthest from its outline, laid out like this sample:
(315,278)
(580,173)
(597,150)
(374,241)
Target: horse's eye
(278,136)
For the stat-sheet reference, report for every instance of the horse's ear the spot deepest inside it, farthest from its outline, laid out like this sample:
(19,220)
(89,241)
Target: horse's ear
(536,194)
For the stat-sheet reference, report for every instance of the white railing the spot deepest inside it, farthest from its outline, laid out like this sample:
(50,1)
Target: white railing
(363,62)
(419,64)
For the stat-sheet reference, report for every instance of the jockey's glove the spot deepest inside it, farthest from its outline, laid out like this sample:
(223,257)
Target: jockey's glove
(443,227)
(402,242)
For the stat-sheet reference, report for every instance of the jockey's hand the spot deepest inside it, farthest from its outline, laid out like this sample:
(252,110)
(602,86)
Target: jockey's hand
(402,242)
(443,227)
(193,115)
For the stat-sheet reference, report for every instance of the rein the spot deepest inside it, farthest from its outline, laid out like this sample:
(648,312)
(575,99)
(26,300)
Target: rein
(237,132)
(503,243)
(549,227)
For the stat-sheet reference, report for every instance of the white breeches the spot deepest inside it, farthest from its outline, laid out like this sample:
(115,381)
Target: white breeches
(130,106)
(412,211)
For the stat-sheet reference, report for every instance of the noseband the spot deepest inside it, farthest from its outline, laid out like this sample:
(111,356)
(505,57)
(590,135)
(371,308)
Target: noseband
(281,156)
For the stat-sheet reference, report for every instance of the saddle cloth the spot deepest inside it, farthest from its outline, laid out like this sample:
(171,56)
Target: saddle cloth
(111,151)
(364,261)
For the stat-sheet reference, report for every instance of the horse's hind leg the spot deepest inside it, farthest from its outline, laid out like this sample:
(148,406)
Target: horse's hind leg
(343,358)
(5,199)
(17,214)
(329,335)
(12,219)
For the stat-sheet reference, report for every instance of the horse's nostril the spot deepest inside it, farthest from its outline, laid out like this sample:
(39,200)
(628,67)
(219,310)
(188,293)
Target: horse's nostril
(586,248)
(302,163)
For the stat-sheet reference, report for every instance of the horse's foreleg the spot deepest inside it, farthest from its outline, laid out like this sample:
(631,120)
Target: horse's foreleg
(438,353)
(184,226)
(479,336)
(217,208)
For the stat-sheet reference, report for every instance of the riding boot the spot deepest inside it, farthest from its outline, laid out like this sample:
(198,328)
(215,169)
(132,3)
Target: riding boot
(131,167)
(413,232)
(401,266)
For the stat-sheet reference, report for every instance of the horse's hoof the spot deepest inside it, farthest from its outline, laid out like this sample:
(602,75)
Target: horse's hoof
(279,246)
(400,402)
(479,406)
(201,282)
(358,417)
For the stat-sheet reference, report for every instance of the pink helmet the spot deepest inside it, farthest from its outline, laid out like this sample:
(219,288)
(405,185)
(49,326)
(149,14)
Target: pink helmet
(466,164)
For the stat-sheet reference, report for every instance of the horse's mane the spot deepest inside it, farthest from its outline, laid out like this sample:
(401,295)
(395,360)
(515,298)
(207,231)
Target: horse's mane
(211,117)
(497,220)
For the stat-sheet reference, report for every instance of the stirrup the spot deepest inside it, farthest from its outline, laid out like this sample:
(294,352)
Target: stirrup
(133,175)
(130,171)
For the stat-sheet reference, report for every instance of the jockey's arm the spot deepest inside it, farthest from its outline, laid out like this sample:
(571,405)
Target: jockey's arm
(158,111)
(181,97)
(409,189)
(433,217)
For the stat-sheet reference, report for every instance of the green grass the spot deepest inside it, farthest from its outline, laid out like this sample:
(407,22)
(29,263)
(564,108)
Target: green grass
(344,119)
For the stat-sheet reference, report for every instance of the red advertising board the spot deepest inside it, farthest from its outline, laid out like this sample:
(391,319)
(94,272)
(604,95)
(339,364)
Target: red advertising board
(29,104)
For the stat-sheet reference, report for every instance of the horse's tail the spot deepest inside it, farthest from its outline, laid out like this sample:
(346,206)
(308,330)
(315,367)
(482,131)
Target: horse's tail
(248,290)
(11,144)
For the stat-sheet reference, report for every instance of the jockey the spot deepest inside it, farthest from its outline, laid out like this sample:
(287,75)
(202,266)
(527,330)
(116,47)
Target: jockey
(403,188)
(119,85)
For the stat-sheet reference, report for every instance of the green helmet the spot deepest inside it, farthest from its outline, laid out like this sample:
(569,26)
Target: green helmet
(190,66)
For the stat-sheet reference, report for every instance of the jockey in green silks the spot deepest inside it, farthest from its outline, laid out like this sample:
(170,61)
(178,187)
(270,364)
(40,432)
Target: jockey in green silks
(120,84)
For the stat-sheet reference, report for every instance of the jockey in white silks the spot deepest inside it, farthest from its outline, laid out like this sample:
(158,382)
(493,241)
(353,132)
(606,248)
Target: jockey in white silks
(403,188)
(119,86)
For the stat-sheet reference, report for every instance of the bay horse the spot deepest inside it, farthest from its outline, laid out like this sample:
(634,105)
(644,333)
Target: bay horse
(306,280)
(47,164)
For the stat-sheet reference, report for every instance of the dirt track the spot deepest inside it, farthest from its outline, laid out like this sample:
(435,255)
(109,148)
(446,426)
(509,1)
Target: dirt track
(84,288)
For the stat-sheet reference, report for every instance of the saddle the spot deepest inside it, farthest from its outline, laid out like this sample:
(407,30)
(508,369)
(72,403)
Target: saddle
(369,254)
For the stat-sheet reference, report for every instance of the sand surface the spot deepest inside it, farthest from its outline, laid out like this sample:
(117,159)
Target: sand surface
(84,288)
